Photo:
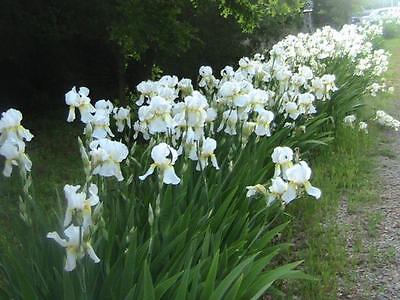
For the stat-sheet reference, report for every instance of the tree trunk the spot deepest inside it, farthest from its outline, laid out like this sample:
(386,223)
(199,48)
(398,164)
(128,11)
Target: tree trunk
(120,60)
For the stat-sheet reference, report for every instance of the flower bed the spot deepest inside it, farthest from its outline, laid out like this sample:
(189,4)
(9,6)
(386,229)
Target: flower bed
(188,199)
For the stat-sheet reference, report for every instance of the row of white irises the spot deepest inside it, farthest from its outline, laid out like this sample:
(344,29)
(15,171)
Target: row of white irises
(180,121)
(381,117)
(389,17)
(352,42)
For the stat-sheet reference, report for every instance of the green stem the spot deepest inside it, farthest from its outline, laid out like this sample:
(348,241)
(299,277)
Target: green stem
(83,271)
(202,172)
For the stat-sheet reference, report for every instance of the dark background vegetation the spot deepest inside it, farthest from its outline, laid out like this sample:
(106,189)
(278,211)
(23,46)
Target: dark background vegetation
(48,46)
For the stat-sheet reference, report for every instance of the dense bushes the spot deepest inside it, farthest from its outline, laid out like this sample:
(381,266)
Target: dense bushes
(113,45)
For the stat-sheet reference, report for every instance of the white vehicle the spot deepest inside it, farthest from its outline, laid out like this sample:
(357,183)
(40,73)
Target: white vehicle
(372,14)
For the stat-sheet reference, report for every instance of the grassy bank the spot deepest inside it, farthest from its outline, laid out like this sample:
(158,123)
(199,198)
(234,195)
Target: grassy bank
(345,173)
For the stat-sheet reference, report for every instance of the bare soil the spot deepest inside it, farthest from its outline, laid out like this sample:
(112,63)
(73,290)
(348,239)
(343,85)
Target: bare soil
(373,236)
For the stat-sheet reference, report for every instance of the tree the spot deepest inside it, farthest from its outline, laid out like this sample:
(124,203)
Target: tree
(335,12)
(163,32)
(110,45)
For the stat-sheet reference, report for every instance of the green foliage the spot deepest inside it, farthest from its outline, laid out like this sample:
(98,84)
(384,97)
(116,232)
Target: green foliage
(143,25)
(391,30)
(112,45)
(153,24)
(249,14)
(195,247)
(335,12)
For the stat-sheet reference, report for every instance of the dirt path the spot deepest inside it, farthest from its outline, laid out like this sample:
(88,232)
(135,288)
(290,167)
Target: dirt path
(373,230)
(373,236)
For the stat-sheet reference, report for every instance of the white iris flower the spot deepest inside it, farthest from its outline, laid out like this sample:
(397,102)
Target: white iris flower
(229,121)
(299,176)
(207,152)
(291,109)
(81,205)
(123,118)
(14,154)
(107,156)
(280,189)
(101,125)
(282,157)
(11,128)
(74,245)
(157,115)
(254,190)
(263,122)
(349,120)
(362,126)
(164,157)
(306,103)
(81,101)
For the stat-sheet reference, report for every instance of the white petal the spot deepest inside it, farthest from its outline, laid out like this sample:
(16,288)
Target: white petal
(209,145)
(25,133)
(83,91)
(107,169)
(290,194)
(92,254)
(7,168)
(312,191)
(140,101)
(230,130)
(214,162)
(201,164)
(241,100)
(109,132)
(87,219)
(267,132)
(295,115)
(71,114)
(148,173)
(26,162)
(73,233)
(99,133)
(271,199)
(120,126)
(118,173)
(70,263)
(71,97)
(260,130)
(86,115)
(157,125)
(54,236)
(93,192)
(170,177)
(251,191)
(160,152)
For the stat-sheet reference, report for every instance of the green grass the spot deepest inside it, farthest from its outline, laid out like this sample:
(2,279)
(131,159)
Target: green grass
(373,223)
(345,173)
